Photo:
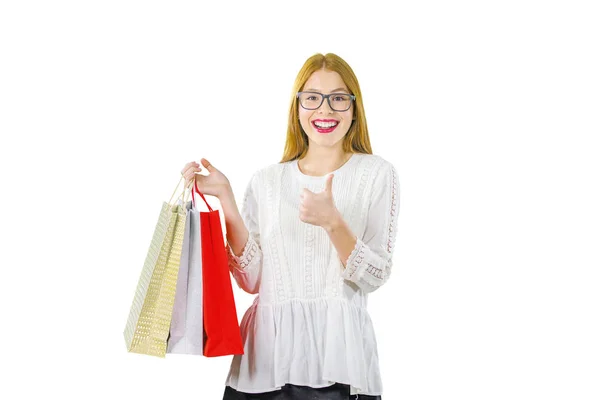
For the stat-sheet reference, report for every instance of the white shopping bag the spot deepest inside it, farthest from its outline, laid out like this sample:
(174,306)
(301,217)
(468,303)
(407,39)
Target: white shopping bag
(186,334)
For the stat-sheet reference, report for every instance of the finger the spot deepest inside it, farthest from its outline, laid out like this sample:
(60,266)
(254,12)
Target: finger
(190,174)
(206,164)
(191,169)
(187,178)
(186,167)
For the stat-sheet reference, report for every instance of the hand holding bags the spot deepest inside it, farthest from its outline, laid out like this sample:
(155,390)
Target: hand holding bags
(149,318)
(222,331)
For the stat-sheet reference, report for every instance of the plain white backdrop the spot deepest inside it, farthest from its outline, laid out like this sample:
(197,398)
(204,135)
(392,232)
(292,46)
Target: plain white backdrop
(489,111)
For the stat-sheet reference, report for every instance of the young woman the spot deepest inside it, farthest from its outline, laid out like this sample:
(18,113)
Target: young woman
(315,236)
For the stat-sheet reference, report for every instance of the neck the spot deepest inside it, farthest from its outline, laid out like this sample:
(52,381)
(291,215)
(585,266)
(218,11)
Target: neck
(319,162)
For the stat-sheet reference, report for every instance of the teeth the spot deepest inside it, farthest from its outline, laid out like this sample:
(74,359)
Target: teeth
(325,124)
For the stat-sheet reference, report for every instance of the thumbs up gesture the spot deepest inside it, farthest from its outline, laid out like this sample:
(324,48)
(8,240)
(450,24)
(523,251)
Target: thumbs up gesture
(319,208)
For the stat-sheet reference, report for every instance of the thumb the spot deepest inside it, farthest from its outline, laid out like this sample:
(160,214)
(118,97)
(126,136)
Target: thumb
(329,183)
(206,164)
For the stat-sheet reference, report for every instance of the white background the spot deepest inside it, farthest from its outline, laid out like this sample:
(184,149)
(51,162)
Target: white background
(488,109)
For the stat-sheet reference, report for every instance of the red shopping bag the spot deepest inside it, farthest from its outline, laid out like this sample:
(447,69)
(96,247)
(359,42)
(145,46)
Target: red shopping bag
(222,335)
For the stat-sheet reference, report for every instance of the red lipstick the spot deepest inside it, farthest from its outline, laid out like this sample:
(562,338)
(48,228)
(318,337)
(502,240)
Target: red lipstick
(325,129)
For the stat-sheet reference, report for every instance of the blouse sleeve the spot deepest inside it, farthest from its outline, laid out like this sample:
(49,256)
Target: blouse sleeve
(370,263)
(246,268)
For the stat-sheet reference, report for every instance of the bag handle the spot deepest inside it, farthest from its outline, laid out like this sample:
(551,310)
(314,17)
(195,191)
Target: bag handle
(201,195)
(182,195)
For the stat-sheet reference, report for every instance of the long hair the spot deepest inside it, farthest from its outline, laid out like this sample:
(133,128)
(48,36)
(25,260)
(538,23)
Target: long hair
(356,139)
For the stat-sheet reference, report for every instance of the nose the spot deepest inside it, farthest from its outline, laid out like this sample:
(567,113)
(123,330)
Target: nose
(325,109)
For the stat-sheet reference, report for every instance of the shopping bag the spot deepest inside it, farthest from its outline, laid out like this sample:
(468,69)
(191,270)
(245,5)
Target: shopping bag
(149,320)
(222,335)
(186,335)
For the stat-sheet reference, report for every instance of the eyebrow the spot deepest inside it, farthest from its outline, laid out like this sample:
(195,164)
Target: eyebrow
(333,91)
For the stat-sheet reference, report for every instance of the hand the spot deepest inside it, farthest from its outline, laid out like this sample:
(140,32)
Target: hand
(213,184)
(318,208)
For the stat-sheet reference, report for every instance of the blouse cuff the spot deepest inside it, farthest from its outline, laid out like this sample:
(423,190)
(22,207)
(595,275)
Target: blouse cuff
(354,260)
(364,266)
(248,255)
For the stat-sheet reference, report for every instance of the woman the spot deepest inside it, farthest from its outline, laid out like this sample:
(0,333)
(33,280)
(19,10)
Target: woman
(315,236)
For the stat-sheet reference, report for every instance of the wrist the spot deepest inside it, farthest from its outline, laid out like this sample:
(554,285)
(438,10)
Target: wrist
(226,193)
(227,200)
(334,223)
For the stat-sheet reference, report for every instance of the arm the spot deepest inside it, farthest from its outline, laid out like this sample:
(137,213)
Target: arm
(243,239)
(367,261)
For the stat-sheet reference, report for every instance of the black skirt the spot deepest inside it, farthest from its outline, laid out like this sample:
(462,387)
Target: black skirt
(294,392)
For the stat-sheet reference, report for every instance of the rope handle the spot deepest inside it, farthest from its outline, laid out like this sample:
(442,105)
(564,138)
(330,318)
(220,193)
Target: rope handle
(183,194)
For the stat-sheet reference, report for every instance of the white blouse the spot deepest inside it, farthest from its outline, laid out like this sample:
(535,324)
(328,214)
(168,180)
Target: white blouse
(309,324)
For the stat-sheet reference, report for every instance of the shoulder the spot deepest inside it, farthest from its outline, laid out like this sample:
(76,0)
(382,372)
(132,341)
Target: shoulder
(375,163)
(383,175)
(266,174)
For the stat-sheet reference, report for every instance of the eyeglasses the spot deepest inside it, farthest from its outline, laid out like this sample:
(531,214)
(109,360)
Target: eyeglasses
(336,101)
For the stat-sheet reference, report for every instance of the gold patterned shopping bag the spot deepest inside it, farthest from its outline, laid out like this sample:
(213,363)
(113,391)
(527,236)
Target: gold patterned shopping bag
(147,328)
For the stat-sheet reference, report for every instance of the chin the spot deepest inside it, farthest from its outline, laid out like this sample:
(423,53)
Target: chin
(326,139)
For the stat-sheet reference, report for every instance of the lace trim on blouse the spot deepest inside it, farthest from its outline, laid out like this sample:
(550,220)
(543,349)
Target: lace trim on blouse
(245,259)
(393,214)
(373,269)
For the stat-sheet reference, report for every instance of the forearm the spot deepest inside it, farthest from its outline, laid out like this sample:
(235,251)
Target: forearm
(362,265)
(243,253)
(341,237)
(237,233)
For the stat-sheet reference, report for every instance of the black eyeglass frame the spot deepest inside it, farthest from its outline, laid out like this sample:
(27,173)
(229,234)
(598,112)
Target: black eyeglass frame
(326,96)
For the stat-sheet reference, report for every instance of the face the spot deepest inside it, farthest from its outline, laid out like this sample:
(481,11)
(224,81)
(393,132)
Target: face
(324,126)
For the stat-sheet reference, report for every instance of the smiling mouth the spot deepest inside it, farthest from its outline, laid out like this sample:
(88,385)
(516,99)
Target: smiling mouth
(325,126)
